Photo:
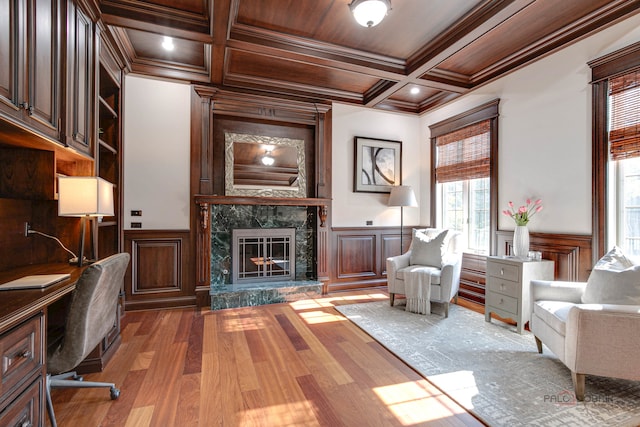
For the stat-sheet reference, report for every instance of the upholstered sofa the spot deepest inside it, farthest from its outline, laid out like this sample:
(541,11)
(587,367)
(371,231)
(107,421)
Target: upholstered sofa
(593,327)
(436,255)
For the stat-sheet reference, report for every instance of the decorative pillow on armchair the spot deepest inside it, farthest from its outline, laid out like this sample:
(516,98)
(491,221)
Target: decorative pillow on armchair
(427,250)
(614,280)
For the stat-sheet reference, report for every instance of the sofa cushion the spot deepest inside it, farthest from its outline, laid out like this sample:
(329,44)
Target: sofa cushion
(428,250)
(613,280)
(554,314)
(433,272)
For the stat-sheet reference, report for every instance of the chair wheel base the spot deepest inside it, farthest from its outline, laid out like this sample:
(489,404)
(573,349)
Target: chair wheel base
(115,393)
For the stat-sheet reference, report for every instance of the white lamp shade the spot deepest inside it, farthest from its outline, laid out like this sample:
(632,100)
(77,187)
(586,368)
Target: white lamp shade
(402,195)
(369,13)
(85,196)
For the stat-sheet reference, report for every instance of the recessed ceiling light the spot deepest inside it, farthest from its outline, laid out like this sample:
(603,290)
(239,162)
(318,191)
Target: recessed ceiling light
(415,90)
(168,43)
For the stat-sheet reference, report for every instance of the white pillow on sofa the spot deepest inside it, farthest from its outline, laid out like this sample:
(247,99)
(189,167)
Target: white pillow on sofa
(614,280)
(427,250)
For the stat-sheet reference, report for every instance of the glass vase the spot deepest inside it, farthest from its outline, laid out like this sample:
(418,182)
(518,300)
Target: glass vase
(521,241)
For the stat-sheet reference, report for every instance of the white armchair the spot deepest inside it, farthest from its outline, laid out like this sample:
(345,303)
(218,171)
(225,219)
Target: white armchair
(590,338)
(435,258)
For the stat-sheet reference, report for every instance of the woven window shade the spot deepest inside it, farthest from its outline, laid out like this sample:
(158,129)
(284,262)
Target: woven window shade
(464,154)
(624,126)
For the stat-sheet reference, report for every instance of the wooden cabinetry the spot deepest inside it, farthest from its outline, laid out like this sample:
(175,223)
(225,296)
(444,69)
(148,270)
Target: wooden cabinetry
(22,376)
(108,153)
(507,292)
(80,93)
(30,69)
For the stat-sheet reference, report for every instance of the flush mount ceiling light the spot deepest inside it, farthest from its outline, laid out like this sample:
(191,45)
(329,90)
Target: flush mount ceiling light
(168,43)
(414,90)
(369,13)
(267,160)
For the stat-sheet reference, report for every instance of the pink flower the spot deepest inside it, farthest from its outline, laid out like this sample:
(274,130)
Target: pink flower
(522,209)
(528,201)
(539,201)
(510,204)
(539,208)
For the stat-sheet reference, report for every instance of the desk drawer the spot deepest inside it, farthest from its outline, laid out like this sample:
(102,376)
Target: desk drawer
(20,354)
(503,302)
(503,271)
(27,409)
(504,287)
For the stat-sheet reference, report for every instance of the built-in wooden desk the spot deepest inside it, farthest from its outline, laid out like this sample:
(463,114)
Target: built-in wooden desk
(23,320)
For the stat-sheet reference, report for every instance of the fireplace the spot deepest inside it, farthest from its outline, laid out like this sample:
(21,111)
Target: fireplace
(238,282)
(263,255)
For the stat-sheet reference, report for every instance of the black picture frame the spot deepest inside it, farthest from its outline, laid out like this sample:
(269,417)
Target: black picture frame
(377,165)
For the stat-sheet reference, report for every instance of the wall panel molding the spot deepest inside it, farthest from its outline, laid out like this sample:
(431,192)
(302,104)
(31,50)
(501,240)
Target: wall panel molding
(159,273)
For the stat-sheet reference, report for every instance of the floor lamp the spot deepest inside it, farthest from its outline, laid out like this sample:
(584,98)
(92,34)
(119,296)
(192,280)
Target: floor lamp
(85,197)
(402,195)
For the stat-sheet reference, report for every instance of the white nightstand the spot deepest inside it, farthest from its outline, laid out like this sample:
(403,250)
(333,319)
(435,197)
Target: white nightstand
(507,288)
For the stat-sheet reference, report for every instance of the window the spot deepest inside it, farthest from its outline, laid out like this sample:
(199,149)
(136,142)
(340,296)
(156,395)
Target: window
(616,151)
(624,147)
(463,167)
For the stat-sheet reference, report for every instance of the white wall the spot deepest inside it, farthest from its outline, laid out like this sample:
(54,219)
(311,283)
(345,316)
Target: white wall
(545,131)
(156,153)
(351,209)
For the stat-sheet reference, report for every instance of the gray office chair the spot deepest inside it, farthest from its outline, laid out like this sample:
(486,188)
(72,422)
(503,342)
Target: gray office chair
(90,317)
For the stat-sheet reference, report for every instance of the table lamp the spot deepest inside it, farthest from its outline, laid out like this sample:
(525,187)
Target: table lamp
(85,197)
(402,195)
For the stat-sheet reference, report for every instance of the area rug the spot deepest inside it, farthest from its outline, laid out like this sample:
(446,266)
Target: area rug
(493,372)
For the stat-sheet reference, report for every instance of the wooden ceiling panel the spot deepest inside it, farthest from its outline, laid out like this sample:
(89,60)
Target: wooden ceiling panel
(294,75)
(405,95)
(532,26)
(149,46)
(405,29)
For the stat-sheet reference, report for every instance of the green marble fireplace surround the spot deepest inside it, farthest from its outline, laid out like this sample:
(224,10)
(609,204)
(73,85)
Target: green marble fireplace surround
(227,217)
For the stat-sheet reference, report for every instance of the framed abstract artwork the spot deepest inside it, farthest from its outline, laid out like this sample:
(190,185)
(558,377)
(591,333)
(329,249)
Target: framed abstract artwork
(378,165)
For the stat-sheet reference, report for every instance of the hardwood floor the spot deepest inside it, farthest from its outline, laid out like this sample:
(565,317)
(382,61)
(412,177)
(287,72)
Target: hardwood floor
(298,364)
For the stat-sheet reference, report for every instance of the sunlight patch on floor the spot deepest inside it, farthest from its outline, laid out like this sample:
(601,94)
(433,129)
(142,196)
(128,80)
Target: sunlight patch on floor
(462,382)
(411,404)
(143,361)
(316,317)
(291,414)
(243,323)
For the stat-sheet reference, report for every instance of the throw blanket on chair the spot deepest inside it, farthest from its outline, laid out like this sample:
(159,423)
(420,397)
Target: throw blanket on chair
(418,292)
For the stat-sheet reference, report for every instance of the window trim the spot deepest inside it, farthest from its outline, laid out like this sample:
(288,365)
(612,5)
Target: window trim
(487,111)
(603,68)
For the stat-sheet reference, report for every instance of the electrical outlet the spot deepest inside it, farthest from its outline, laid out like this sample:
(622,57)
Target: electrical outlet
(136,213)
(136,225)
(369,222)
(27,228)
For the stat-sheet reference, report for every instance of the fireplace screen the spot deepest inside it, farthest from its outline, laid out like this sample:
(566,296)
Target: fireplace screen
(263,254)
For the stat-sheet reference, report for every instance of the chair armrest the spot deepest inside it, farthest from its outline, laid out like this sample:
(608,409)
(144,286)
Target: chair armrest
(557,291)
(399,261)
(601,339)
(450,276)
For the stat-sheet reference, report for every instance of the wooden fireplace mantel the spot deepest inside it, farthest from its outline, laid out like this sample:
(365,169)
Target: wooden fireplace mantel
(276,201)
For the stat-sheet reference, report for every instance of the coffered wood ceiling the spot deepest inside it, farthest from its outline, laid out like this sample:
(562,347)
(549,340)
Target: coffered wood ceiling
(313,50)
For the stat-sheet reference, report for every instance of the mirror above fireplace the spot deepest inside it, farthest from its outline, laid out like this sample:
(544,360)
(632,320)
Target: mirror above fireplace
(264,166)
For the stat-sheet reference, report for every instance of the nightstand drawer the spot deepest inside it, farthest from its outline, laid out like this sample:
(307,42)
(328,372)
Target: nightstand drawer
(503,302)
(504,287)
(503,271)
(20,354)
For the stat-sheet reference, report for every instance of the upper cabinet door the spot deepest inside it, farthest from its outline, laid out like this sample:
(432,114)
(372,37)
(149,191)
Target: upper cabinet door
(81,75)
(12,60)
(30,70)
